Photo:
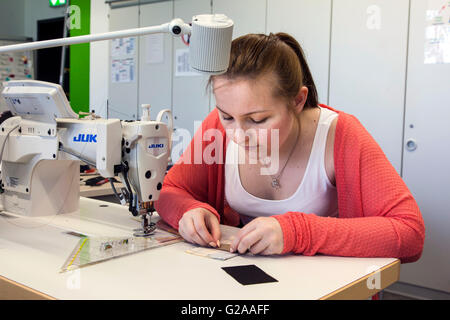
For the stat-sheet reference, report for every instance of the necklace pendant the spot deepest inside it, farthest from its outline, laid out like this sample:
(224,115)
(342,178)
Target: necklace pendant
(275,183)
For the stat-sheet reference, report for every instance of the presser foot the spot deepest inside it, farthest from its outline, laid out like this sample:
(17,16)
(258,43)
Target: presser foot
(147,229)
(145,232)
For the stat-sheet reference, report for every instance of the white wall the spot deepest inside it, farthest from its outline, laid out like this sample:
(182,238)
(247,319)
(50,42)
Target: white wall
(38,10)
(368,67)
(12,18)
(19,18)
(99,53)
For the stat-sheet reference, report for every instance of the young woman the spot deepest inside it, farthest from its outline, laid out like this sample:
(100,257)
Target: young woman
(333,191)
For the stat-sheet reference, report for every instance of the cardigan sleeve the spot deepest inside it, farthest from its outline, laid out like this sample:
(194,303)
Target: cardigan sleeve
(187,184)
(378,216)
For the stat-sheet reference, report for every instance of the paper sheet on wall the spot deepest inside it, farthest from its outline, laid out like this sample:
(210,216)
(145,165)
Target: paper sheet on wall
(182,67)
(123,46)
(123,70)
(154,48)
(437,32)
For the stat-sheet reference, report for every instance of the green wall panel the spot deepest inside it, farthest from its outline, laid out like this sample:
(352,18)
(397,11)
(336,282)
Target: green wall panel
(79,56)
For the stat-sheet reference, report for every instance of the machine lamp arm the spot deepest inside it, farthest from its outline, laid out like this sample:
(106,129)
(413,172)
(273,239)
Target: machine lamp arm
(176,27)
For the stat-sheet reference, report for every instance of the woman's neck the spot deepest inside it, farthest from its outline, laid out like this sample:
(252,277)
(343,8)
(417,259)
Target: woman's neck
(294,134)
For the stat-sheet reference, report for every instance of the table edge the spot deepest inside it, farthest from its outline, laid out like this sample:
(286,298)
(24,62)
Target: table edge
(358,289)
(389,274)
(12,290)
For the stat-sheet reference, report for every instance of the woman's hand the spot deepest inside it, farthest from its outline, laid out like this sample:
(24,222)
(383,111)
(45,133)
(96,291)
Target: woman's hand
(260,236)
(200,226)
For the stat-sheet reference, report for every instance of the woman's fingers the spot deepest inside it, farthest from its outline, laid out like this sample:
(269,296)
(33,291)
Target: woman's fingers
(192,233)
(212,223)
(267,251)
(248,240)
(261,236)
(202,230)
(260,246)
(240,235)
(200,226)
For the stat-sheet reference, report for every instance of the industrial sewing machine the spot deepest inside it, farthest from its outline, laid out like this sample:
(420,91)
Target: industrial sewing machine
(42,143)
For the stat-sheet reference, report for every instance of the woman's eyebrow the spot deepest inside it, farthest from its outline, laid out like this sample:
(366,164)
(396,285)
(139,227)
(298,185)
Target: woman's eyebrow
(220,109)
(249,113)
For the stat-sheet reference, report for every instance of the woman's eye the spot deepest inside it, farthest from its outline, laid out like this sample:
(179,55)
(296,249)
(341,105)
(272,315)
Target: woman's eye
(259,121)
(228,119)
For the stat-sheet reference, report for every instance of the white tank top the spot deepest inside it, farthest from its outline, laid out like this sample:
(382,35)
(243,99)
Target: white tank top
(315,194)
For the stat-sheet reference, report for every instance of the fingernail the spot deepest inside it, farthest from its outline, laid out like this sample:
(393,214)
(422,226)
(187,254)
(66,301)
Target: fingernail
(218,243)
(212,244)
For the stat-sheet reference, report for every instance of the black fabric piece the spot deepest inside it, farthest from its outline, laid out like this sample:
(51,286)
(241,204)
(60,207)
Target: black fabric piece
(248,274)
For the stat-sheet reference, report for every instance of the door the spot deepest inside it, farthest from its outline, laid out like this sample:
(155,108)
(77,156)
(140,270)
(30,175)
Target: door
(368,67)
(426,143)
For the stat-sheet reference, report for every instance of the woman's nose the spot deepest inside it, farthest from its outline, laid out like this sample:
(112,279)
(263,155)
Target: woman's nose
(244,137)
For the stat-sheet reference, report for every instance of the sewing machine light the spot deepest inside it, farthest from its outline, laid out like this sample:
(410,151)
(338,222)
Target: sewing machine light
(210,43)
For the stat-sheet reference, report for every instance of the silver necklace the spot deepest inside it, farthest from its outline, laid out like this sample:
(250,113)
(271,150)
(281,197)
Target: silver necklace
(276,180)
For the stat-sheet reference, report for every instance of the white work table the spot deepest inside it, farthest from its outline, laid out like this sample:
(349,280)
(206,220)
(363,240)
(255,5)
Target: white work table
(32,251)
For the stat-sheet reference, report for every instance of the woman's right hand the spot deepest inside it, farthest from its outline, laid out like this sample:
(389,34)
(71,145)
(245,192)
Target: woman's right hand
(200,226)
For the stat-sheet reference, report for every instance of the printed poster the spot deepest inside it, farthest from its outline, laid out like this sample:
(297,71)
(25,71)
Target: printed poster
(437,32)
(123,47)
(123,70)
(154,48)
(182,67)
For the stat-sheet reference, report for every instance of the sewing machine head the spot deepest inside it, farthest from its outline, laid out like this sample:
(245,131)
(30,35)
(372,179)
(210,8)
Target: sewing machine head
(42,143)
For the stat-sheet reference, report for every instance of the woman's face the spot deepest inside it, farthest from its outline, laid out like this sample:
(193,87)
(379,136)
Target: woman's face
(249,112)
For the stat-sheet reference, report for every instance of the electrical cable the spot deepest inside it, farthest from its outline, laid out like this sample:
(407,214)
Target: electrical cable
(186,42)
(6,138)
(131,208)
(113,187)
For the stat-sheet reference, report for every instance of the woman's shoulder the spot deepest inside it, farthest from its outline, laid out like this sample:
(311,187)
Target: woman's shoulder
(351,138)
(345,123)
(341,114)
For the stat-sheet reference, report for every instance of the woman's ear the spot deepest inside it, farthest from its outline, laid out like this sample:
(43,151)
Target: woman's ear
(300,99)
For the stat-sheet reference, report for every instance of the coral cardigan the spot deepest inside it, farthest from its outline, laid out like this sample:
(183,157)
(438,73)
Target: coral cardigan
(378,217)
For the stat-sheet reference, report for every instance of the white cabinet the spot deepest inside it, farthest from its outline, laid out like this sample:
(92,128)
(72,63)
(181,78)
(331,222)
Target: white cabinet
(123,96)
(426,166)
(309,23)
(368,67)
(155,59)
(189,95)
(249,16)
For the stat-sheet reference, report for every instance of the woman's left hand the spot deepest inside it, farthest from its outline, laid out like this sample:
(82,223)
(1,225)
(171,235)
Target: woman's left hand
(262,235)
